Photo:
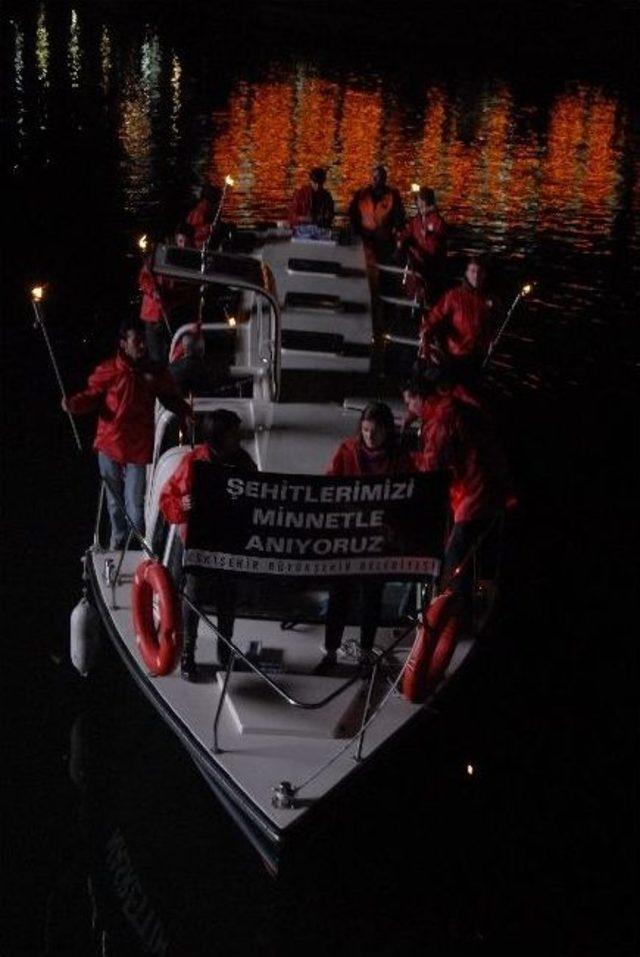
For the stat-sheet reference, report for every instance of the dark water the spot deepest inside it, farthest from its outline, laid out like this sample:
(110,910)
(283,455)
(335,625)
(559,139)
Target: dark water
(526,123)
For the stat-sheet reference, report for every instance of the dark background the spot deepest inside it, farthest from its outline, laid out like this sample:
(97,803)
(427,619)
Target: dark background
(534,854)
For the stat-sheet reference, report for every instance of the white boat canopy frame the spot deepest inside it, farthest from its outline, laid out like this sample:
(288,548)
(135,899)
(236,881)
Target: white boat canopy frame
(260,340)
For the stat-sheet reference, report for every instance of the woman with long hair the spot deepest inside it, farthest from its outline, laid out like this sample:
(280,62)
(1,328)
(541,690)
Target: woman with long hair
(374,450)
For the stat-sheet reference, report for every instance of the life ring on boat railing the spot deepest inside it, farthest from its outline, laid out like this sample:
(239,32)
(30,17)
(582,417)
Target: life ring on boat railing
(160,644)
(435,641)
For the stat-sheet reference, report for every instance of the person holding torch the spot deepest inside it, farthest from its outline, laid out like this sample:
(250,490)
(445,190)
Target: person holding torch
(123,391)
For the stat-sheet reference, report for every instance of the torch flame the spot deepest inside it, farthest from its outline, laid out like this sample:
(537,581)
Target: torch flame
(231,321)
(142,242)
(415,187)
(527,289)
(37,293)
(229,181)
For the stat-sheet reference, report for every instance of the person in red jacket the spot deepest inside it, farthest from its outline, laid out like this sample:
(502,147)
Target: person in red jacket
(462,322)
(313,204)
(457,435)
(221,447)
(425,241)
(123,392)
(374,450)
(164,299)
(377,214)
(203,214)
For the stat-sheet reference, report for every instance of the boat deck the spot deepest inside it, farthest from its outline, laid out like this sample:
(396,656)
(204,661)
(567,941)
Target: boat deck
(264,740)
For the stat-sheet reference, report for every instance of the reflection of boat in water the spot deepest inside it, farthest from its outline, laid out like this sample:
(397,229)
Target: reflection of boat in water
(272,737)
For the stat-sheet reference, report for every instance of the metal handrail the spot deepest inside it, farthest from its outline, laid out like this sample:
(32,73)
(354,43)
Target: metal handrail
(453,578)
(294,702)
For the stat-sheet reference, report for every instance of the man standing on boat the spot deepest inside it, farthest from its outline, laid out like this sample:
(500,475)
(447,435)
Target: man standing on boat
(457,435)
(313,204)
(161,297)
(201,217)
(221,447)
(123,392)
(425,242)
(462,323)
(377,214)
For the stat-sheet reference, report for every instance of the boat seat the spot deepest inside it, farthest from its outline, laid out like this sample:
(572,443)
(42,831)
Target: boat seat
(308,301)
(325,267)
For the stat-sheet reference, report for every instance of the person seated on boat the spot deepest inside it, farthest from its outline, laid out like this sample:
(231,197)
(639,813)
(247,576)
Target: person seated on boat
(221,447)
(201,217)
(458,435)
(374,450)
(424,243)
(462,323)
(195,372)
(123,392)
(313,204)
(377,215)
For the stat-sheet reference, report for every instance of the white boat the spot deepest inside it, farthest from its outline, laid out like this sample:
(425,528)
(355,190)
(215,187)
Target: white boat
(325,301)
(272,738)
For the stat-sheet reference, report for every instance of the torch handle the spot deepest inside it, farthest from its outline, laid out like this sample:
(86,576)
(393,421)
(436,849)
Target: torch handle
(40,322)
(218,210)
(498,336)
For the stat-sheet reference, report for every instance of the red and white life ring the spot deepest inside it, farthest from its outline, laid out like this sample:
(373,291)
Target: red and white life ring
(435,642)
(160,644)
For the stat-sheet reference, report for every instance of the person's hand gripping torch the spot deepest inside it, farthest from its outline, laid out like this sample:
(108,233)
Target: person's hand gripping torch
(37,296)
(522,294)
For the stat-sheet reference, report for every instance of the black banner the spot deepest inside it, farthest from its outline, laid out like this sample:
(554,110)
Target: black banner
(299,526)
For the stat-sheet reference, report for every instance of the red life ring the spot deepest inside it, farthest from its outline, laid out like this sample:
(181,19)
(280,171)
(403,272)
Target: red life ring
(160,644)
(433,647)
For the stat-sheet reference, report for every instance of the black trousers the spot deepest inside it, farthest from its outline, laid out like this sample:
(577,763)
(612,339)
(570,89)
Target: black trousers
(463,536)
(207,590)
(157,340)
(371,601)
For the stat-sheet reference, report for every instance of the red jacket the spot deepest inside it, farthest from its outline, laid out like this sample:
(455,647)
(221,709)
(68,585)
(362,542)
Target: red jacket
(201,217)
(464,318)
(149,285)
(309,205)
(376,217)
(426,236)
(124,396)
(159,293)
(457,435)
(180,483)
(348,460)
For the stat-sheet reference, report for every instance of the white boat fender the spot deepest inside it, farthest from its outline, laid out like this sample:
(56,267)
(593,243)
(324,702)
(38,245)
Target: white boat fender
(84,636)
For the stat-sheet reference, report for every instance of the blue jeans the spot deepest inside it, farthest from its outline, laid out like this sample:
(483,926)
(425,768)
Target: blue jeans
(128,482)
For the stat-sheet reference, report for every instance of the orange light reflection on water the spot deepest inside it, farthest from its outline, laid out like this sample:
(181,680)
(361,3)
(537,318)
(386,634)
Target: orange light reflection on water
(315,123)
(358,141)
(500,174)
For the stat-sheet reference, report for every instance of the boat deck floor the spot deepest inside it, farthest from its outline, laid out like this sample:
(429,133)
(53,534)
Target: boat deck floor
(264,739)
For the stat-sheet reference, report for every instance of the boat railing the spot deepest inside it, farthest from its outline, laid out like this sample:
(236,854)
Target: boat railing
(284,793)
(114,579)
(242,274)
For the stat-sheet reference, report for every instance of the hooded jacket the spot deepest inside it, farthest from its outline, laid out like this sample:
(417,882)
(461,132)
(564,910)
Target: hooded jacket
(349,460)
(464,318)
(181,482)
(456,435)
(123,394)
(314,205)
